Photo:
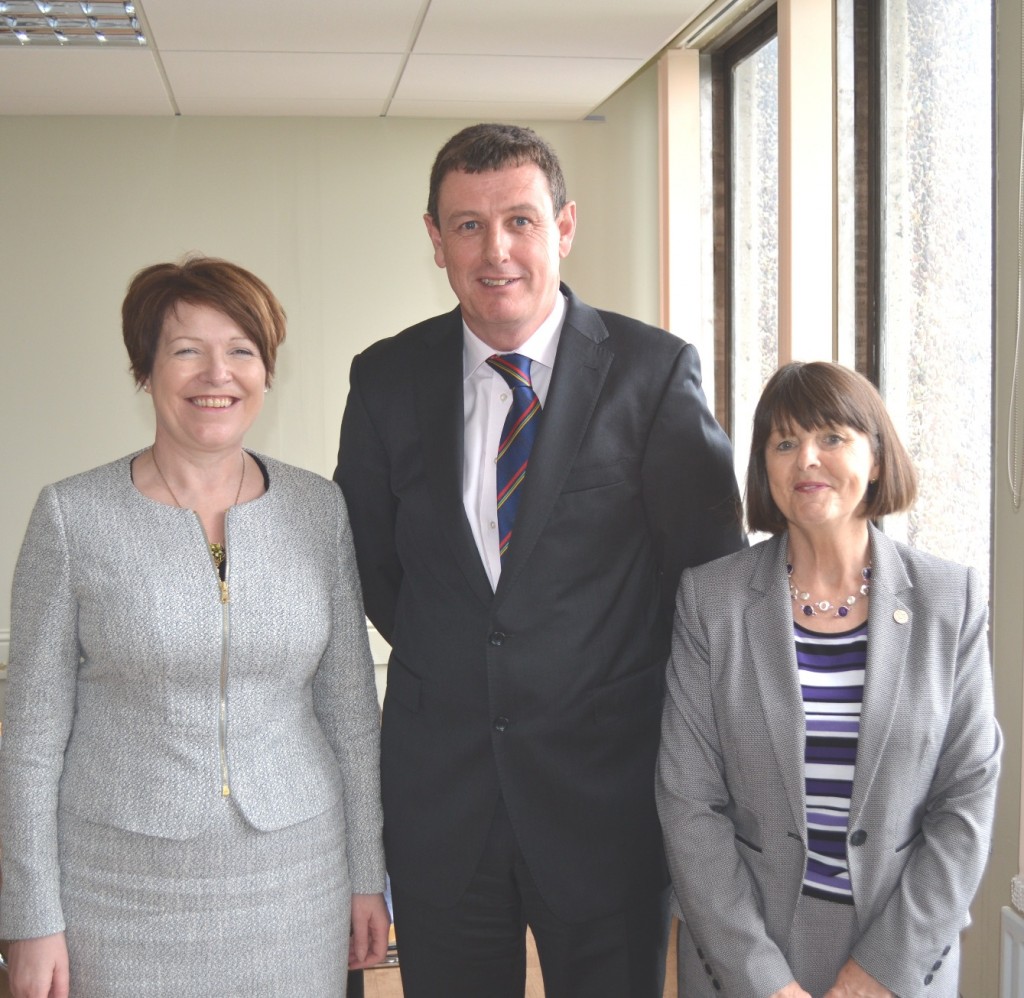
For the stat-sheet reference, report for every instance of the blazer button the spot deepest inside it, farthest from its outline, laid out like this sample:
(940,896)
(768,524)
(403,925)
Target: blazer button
(859,837)
(927,978)
(496,638)
(945,952)
(936,965)
(500,723)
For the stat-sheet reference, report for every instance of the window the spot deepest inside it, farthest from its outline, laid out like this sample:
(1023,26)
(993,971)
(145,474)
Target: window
(750,95)
(935,253)
(846,165)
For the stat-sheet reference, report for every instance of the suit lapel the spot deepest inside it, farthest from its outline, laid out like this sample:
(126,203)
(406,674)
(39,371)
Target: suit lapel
(439,402)
(769,630)
(890,625)
(581,365)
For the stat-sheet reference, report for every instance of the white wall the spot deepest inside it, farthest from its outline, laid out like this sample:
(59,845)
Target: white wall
(980,968)
(327,211)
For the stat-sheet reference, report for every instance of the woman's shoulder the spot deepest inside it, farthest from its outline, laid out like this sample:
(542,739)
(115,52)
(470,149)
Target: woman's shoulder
(739,563)
(99,481)
(922,566)
(290,483)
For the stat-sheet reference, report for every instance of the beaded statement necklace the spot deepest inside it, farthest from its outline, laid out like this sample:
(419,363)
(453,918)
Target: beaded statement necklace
(217,552)
(811,607)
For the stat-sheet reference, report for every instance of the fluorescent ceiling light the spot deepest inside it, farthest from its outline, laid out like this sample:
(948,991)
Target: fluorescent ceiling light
(35,22)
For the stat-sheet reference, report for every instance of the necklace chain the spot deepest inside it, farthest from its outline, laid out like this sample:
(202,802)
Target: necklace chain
(216,550)
(811,607)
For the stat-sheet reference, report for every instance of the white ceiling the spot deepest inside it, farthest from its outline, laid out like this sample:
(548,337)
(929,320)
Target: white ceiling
(546,59)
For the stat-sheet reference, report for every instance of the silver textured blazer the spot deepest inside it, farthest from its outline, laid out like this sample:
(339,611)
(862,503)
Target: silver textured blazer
(137,697)
(730,777)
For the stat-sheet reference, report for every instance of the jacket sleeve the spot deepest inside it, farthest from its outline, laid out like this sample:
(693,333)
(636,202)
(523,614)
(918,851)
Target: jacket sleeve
(924,915)
(40,705)
(345,701)
(364,474)
(690,493)
(712,883)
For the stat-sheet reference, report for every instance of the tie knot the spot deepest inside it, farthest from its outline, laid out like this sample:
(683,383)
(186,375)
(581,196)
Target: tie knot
(513,367)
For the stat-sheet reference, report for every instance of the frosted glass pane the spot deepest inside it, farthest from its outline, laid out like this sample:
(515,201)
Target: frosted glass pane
(754,236)
(937,266)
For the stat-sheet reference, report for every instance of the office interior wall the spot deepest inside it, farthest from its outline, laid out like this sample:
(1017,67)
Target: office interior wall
(980,964)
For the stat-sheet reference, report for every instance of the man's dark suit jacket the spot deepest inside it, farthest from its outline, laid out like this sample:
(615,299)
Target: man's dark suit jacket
(548,691)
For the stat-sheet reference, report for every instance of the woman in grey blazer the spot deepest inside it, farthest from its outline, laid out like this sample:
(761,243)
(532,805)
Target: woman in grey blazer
(189,767)
(827,774)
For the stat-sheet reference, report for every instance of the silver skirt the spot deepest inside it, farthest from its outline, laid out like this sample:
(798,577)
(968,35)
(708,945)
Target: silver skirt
(231,912)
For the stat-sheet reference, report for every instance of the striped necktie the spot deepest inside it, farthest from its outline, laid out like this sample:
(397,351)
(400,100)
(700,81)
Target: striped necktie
(517,436)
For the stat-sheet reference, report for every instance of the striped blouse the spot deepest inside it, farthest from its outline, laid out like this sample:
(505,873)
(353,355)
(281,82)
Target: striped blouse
(831,671)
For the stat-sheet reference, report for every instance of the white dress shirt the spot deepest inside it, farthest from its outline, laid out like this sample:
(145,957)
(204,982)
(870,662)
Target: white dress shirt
(487,400)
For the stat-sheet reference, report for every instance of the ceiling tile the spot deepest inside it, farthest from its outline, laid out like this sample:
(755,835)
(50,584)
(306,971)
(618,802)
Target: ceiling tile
(278,26)
(505,79)
(247,79)
(489,110)
(81,81)
(598,28)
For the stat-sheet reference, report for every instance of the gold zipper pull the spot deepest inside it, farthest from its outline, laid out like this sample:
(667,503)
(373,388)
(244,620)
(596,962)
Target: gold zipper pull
(224,593)
(225,791)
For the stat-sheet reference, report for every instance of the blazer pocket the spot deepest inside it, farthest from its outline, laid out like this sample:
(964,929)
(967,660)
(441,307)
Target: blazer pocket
(909,842)
(746,827)
(404,687)
(630,697)
(599,476)
(748,843)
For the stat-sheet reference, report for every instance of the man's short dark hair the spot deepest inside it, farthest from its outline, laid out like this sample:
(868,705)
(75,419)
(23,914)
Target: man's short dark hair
(490,146)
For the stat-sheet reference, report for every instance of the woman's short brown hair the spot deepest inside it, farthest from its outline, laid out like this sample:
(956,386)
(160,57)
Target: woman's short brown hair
(817,395)
(200,280)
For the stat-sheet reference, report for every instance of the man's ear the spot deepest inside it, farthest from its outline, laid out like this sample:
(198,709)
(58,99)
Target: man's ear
(435,238)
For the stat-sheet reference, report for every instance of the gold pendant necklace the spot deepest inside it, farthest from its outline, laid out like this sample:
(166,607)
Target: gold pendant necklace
(216,550)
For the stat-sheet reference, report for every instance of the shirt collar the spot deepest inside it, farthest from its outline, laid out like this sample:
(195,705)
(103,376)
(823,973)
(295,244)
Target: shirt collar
(540,347)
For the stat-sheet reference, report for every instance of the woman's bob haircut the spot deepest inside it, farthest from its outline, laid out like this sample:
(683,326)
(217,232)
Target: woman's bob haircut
(815,396)
(155,291)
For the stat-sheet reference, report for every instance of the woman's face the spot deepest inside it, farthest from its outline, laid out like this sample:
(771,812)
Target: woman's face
(207,382)
(818,478)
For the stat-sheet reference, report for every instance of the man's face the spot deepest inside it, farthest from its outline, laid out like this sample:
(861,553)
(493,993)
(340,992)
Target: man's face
(501,244)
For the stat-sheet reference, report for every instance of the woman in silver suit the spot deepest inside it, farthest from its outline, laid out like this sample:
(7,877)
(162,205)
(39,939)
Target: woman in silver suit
(189,767)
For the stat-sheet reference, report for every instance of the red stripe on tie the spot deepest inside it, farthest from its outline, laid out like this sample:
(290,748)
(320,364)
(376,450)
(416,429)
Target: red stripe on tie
(513,484)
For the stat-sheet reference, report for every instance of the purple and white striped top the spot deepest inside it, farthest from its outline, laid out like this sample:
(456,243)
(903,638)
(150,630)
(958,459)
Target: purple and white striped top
(831,672)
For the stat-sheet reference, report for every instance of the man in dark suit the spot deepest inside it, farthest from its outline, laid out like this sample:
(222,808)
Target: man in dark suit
(525,684)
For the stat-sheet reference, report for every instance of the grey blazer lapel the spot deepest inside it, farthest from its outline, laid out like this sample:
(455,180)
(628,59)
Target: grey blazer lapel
(581,365)
(769,630)
(890,625)
(439,402)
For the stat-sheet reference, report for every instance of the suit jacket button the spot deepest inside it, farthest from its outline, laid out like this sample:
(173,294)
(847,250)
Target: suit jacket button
(936,965)
(945,952)
(927,978)
(500,723)
(859,837)
(496,638)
